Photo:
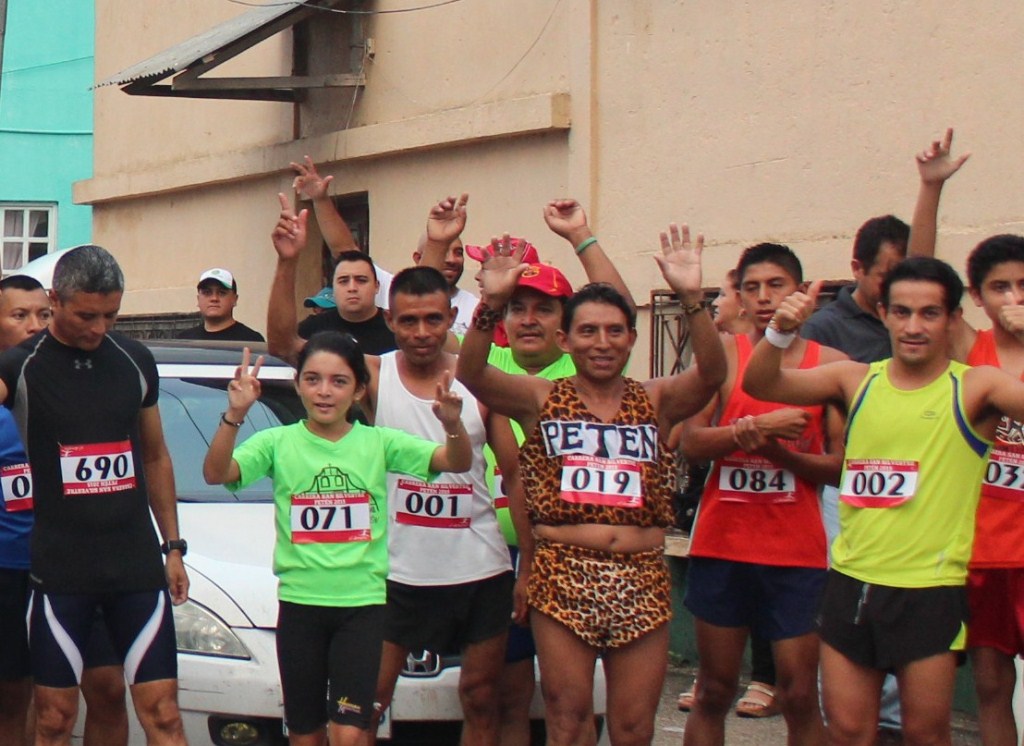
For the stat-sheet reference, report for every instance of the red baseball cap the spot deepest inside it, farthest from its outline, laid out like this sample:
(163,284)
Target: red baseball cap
(546,279)
(530,255)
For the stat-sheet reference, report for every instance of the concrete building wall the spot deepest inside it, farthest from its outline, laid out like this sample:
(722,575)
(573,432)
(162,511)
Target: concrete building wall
(791,121)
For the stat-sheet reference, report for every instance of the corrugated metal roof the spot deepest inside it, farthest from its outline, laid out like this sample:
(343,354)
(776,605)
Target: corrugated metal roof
(180,56)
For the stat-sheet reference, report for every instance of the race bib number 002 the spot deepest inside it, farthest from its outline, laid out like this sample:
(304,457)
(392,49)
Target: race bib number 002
(1004,474)
(330,518)
(878,483)
(16,482)
(616,483)
(97,468)
(755,482)
(435,505)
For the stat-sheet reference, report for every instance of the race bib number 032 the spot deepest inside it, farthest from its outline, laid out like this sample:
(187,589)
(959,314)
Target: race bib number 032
(613,482)
(97,468)
(330,518)
(1004,474)
(871,483)
(16,482)
(434,505)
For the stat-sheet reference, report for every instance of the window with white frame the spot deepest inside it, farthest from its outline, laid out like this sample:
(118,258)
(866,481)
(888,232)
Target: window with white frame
(30,231)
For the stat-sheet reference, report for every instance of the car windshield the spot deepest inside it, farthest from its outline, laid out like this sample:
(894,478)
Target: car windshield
(190,409)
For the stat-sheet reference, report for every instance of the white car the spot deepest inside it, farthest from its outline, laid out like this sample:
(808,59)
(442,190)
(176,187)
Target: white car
(230,692)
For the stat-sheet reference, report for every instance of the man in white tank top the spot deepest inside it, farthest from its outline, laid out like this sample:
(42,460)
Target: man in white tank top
(450,582)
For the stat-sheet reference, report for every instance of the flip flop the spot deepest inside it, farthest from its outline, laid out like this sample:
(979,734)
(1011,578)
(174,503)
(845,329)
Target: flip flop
(686,698)
(757,702)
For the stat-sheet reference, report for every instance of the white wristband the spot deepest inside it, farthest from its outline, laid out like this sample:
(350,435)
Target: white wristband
(782,340)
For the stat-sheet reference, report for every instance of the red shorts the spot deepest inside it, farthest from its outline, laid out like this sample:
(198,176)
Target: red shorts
(996,599)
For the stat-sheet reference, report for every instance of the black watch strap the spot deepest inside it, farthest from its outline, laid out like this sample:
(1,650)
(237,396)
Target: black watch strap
(169,546)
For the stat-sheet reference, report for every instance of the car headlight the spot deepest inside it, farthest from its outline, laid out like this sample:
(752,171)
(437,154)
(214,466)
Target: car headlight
(200,631)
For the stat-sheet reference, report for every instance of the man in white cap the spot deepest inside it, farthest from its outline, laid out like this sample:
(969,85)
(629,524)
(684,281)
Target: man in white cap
(217,298)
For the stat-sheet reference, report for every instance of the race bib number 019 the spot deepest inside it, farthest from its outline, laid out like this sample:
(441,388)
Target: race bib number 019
(878,483)
(97,468)
(755,482)
(1004,474)
(16,482)
(434,505)
(613,482)
(330,518)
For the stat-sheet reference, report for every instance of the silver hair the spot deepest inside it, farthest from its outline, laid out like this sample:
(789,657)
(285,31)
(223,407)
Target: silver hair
(87,269)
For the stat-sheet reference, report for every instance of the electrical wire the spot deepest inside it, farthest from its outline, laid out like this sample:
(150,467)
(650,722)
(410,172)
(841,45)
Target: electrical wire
(346,12)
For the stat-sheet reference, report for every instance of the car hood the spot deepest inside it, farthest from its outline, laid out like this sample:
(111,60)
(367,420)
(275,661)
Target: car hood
(232,546)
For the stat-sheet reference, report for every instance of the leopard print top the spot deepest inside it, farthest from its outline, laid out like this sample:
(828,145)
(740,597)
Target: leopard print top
(578,469)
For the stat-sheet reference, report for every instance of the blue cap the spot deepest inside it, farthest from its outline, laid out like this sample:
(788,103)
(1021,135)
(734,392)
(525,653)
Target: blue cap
(323,299)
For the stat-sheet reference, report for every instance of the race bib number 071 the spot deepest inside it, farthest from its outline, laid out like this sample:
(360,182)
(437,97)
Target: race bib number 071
(97,468)
(878,483)
(330,518)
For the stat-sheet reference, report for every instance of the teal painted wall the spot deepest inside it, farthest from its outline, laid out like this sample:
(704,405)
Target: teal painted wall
(46,109)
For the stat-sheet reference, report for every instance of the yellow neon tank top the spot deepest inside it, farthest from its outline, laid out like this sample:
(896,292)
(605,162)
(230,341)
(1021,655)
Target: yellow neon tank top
(910,483)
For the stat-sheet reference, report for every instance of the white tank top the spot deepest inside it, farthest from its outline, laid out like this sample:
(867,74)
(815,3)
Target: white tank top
(444,532)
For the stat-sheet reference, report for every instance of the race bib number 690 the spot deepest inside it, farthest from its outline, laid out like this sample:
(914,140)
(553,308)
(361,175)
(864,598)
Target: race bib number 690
(97,468)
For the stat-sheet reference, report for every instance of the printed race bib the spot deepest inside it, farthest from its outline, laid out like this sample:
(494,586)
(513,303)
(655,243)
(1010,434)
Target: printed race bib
(755,481)
(330,518)
(613,482)
(435,505)
(97,468)
(16,482)
(878,483)
(500,498)
(1004,474)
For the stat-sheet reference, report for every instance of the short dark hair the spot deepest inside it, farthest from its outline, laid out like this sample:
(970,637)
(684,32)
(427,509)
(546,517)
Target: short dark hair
(775,253)
(875,232)
(597,292)
(87,269)
(21,282)
(343,345)
(419,281)
(994,250)
(926,269)
(354,255)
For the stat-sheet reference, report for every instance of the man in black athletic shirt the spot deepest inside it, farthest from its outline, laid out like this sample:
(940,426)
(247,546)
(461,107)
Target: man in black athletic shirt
(99,464)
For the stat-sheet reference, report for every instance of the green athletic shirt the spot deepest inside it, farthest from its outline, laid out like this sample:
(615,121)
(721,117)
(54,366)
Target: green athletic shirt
(891,531)
(331,547)
(501,358)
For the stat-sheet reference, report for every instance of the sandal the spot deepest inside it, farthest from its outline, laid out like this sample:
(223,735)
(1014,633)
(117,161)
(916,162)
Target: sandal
(757,702)
(686,698)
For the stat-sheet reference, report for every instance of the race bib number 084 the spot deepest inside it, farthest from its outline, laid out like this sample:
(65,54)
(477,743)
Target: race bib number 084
(330,518)
(616,483)
(756,482)
(878,483)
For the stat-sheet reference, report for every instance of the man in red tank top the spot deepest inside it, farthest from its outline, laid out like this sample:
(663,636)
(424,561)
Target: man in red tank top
(758,553)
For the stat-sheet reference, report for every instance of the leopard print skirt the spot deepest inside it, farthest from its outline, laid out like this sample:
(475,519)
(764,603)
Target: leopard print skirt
(607,599)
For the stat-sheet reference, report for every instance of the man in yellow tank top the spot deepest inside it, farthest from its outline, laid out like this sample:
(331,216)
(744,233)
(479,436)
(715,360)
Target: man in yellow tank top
(919,427)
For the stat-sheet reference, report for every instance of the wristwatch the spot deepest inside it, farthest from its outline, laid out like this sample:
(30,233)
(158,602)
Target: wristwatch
(169,546)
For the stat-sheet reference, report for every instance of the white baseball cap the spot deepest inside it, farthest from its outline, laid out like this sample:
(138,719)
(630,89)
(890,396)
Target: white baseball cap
(222,276)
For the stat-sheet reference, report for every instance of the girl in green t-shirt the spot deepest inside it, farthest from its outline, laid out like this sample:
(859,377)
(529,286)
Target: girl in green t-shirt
(330,556)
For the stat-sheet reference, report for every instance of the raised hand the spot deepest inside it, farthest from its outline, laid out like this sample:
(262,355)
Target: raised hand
(796,309)
(680,262)
(567,218)
(289,235)
(935,165)
(447,406)
(447,219)
(244,389)
(308,183)
(501,271)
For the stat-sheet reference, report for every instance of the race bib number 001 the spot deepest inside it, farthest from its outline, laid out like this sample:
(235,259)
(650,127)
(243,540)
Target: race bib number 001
(435,505)
(1004,474)
(97,468)
(755,482)
(330,518)
(616,483)
(16,482)
(878,483)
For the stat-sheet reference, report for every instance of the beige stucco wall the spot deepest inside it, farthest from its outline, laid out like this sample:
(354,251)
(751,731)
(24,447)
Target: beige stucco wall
(791,121)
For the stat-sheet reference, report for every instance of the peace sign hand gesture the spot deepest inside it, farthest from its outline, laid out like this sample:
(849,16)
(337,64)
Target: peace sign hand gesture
(244,389)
